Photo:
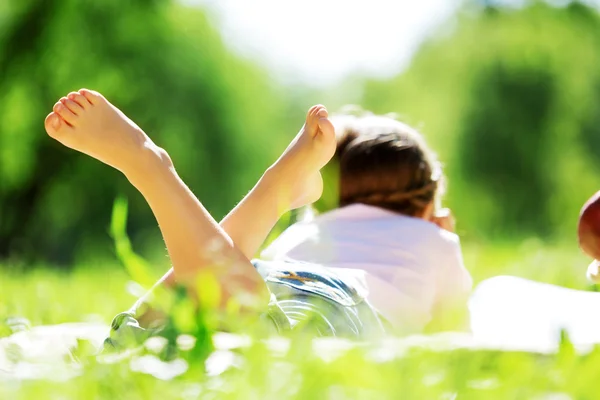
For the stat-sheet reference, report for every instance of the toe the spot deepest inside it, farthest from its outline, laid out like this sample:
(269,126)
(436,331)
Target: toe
(72,106)
(61,110)
(91,95)
(326,127)
(79,99)
(314,113)
(322,112)
(310,114)
(311,111)
(53,125)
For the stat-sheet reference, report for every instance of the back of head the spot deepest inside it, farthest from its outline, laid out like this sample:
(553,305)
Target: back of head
(385,163)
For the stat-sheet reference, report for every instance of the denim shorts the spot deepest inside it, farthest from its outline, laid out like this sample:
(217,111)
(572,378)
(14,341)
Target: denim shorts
(305,298)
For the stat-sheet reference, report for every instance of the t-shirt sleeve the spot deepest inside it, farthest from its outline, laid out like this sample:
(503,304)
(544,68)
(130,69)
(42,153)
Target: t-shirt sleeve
(453,287)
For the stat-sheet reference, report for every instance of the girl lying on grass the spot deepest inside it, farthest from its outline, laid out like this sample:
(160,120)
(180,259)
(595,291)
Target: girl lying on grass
(380,262)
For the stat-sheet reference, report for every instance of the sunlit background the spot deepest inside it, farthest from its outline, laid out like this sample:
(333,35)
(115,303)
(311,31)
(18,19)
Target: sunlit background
(321,43)
(506,92)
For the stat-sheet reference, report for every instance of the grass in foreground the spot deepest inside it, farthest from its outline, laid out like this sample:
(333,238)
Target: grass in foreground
(332,369)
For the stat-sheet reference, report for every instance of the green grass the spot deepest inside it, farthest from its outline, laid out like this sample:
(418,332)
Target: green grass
(256,371)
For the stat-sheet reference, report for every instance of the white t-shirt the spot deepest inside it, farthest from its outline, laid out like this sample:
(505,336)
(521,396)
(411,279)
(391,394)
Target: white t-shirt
(405,266)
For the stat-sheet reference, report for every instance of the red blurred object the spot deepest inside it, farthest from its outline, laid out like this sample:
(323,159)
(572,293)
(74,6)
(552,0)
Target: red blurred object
(588,229)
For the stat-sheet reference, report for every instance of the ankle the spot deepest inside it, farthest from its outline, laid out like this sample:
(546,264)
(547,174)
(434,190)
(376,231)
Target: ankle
(277,186)
(150,160)
(273,177)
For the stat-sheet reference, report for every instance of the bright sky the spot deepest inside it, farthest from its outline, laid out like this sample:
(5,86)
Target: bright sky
(322,41)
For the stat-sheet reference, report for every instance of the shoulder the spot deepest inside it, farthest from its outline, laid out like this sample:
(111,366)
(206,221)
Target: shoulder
(449,239)
(436,237)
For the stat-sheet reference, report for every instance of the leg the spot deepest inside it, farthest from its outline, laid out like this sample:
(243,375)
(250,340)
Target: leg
(90,124)
(195,242)
(291,182)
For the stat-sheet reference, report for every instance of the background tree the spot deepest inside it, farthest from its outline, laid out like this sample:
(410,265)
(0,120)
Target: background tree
(509,97)
(165,66)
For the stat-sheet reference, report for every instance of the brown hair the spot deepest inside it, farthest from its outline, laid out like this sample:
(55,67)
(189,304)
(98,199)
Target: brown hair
(385,163)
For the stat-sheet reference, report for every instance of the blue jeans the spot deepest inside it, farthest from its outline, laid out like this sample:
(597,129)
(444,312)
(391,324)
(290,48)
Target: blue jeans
(310,297)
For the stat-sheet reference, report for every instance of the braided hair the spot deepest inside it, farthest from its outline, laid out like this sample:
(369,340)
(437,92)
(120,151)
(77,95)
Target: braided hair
(385,163)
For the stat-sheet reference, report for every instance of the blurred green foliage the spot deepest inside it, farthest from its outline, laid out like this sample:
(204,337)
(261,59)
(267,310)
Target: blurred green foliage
(509,99)
(220,117)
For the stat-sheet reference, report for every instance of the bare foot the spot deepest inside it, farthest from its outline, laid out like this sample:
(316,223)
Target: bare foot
(299,165)
(85,121)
